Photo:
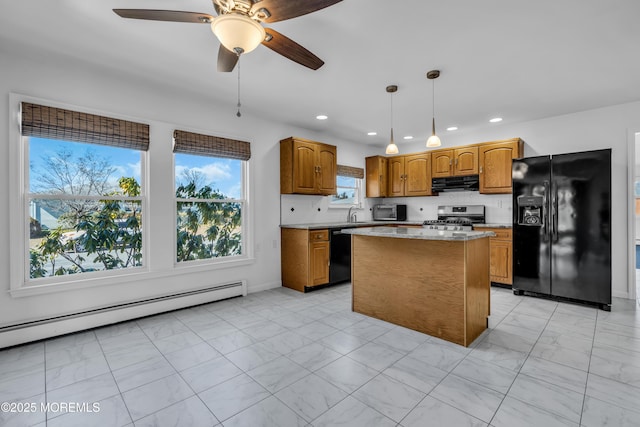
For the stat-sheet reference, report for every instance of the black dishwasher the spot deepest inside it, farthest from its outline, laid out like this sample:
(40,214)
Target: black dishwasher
(340,263)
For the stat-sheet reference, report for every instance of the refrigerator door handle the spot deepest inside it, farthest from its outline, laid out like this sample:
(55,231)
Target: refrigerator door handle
(554,212)
(545,212)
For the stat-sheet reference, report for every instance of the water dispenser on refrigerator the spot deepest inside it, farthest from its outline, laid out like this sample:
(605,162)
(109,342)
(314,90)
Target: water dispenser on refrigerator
(530,210)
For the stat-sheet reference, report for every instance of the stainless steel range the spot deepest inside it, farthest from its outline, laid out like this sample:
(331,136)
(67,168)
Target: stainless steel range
(457,218)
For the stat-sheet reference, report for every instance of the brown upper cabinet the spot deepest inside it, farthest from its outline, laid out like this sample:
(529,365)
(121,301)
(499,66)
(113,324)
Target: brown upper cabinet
(409,175)
(454,162)
(376,176)
(307,167)
(495,164)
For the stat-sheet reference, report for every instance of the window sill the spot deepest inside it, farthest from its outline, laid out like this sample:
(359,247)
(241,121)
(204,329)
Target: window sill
(124,278)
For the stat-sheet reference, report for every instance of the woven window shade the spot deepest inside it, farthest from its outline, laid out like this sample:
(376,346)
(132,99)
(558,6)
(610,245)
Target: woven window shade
(350,171)
(57,123)
(206,145)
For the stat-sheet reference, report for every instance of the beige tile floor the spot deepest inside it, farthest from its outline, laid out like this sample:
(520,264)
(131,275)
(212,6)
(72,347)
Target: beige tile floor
(282,358)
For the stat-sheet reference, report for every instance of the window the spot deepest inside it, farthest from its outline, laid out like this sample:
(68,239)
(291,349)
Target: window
(84,192)
(210,176)
(349,187)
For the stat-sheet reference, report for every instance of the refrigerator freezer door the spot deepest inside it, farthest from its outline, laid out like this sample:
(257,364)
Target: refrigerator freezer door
(581,226)
(531,240)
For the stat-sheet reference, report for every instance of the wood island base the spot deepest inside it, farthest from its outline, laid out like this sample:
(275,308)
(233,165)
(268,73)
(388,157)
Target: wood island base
(438,287)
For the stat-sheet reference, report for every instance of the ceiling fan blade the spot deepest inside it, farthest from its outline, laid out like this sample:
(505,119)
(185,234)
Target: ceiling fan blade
(165,15)
(227,60)
(280,10)
(290,49)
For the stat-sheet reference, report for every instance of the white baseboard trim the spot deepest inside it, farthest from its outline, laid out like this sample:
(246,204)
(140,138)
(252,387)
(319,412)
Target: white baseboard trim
(34,331)
(264,287)
(624,295)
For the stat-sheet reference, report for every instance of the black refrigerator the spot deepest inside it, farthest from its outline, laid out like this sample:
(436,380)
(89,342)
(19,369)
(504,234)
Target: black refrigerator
(562,226)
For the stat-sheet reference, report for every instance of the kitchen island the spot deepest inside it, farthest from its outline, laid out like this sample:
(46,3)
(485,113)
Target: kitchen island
(435,282)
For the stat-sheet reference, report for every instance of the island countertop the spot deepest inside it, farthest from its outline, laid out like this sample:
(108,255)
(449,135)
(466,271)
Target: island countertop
(418,233)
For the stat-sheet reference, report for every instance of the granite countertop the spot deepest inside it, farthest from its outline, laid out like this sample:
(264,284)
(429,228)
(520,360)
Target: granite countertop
(492,225)
(322,225)
(418,233)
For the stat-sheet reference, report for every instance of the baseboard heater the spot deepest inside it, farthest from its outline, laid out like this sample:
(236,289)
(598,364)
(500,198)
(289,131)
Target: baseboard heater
(58,325)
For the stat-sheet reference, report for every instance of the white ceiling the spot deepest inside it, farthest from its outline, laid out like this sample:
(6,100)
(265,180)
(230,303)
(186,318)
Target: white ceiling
(520,60)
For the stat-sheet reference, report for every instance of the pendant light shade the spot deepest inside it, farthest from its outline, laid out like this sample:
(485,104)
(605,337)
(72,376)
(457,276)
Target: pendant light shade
(433,140)
(392,148)
(238,33)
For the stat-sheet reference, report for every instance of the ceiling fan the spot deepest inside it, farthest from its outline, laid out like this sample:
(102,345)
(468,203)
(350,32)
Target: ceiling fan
(238,27)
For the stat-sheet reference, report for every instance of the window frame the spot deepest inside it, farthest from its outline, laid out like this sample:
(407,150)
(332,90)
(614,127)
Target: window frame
(246,251)
(358,195)
(19,196)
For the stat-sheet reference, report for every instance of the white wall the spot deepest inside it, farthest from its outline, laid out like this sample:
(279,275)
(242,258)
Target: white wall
(64,81)
(85,86)
(637,178)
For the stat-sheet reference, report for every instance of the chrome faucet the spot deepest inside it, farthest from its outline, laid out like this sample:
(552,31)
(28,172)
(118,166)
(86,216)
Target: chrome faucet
(352,217)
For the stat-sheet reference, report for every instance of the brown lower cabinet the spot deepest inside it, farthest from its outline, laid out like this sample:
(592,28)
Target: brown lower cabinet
(305,258)
(501,255)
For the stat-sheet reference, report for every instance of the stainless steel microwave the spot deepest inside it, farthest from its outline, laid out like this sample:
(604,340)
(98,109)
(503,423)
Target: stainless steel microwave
(389,212)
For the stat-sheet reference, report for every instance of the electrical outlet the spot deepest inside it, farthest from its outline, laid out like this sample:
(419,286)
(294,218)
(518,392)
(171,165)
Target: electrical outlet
(275,244)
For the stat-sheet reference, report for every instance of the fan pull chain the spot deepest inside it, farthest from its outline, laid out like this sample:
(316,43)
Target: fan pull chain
(238,114)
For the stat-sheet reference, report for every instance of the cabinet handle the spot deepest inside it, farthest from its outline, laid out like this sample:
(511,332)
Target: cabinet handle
(450,162)
(456,162)
(480,168)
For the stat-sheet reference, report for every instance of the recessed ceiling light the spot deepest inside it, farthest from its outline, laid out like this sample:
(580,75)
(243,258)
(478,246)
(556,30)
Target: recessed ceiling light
(322,117)
(408,137)
(452,128)
(372,133)
(496,120)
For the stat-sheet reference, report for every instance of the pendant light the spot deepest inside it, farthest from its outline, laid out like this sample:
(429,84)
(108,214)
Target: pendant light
(433,140)
(392,148)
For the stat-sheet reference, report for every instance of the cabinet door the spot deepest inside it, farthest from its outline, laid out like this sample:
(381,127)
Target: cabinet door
(376,184)
(327,169)
(465,161)
(305,167)
(500,261)
(495,165)
(396,176)
(319,263)
(417,169)
(441,162)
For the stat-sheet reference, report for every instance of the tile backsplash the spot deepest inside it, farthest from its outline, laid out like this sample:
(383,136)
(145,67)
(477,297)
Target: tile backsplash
(298,209)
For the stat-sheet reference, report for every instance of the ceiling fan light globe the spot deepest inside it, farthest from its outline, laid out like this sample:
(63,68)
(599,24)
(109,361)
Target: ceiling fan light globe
(238,32)
(433,141)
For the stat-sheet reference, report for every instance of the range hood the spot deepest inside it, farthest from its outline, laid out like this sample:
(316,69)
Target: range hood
(456,183)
